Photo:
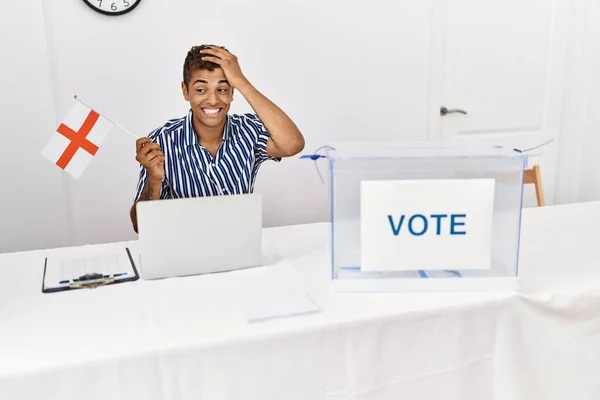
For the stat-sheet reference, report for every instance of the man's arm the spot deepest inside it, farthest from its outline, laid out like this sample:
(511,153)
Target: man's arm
(152,160)
(151,191)
(286,139)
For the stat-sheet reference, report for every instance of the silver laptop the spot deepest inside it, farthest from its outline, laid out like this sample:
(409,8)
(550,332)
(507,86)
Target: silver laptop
(199,235)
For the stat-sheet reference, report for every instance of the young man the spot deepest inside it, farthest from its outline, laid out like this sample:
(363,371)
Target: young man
(209,152)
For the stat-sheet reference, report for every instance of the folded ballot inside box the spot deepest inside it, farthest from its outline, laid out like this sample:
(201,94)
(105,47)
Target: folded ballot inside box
(424,216)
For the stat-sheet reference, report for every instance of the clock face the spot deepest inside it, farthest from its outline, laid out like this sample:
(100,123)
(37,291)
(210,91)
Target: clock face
(112,7)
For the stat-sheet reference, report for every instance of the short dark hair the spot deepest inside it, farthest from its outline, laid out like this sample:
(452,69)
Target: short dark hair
(194,62)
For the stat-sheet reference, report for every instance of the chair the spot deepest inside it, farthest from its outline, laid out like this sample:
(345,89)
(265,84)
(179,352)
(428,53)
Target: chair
(534,175)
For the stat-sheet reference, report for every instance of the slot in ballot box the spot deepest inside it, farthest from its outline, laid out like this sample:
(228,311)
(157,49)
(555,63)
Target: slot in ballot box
(424,216)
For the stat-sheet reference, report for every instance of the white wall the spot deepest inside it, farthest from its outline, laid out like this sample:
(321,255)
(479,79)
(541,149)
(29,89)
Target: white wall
(342,70)
(33,209)
(579,162)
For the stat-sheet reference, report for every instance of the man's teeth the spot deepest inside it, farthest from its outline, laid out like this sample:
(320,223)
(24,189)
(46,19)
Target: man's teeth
(211,111)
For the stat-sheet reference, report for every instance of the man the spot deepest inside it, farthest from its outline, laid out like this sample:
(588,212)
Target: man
(209,152)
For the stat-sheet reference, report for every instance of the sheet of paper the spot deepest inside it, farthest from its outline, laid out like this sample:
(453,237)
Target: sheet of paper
(63,268)
(273,292)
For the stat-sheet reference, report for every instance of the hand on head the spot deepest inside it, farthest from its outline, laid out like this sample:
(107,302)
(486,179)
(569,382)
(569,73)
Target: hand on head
(228,63)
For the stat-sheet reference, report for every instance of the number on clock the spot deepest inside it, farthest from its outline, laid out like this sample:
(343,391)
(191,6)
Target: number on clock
(112,7)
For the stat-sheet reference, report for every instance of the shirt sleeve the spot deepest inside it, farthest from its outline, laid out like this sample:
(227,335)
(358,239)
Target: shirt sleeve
(261,138)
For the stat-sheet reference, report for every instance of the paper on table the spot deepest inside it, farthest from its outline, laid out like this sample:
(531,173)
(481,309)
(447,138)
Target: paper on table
(274,292)
(60,268)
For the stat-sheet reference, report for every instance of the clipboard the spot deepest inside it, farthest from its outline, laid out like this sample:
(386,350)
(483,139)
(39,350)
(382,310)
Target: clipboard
(91,280)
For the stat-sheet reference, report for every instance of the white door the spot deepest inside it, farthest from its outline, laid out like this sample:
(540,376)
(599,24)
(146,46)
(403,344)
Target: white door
(503,63)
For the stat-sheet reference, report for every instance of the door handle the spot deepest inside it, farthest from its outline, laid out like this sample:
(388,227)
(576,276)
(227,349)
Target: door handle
(444,111)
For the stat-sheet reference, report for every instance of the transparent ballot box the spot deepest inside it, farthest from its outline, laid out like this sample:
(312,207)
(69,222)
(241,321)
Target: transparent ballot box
(424,216)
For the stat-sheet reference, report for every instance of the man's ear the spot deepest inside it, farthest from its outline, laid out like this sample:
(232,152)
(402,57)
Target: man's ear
(184,90)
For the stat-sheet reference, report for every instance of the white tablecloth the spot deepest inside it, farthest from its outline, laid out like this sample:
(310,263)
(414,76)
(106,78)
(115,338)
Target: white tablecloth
(186,338)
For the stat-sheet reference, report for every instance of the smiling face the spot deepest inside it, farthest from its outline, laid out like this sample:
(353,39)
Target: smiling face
(209,95)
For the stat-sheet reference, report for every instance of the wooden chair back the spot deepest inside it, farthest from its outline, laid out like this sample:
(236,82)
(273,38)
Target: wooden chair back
(533,175)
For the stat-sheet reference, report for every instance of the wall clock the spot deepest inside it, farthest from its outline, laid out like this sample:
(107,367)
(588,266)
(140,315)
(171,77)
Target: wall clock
(112,7)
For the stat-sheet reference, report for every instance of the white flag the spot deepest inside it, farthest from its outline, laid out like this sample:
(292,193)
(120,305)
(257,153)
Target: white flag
(77,139)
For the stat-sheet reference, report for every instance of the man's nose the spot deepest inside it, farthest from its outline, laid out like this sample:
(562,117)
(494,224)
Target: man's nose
(212,97)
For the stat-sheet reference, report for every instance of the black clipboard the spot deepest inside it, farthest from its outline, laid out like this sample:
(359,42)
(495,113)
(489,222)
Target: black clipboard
(91,282)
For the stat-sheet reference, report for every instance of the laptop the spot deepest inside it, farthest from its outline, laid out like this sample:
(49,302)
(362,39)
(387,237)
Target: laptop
(199,235)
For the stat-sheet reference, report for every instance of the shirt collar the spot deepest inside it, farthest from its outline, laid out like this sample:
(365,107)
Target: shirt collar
(190,137)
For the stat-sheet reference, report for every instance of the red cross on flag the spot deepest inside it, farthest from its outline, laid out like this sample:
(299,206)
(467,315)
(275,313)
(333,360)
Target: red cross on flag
(77,139)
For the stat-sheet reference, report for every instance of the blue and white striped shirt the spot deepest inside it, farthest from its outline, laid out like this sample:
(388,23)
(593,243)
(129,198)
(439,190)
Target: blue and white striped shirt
(191,171)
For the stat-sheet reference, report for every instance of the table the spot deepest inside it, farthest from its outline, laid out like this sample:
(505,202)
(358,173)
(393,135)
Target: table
(549,342)
(185,338)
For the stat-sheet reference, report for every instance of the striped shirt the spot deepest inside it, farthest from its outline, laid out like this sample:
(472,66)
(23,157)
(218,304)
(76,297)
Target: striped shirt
(191,171)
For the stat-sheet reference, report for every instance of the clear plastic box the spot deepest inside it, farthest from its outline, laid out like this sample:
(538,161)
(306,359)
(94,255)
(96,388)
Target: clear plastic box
(351,163)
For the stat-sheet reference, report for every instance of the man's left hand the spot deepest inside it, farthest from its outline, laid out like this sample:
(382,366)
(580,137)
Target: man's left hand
(228,62)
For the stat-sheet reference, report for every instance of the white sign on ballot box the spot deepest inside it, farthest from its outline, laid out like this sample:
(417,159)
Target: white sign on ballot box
(431,224)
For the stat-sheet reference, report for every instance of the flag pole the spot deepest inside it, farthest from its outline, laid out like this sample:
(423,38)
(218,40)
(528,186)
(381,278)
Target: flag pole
(122,127)
(104,116)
